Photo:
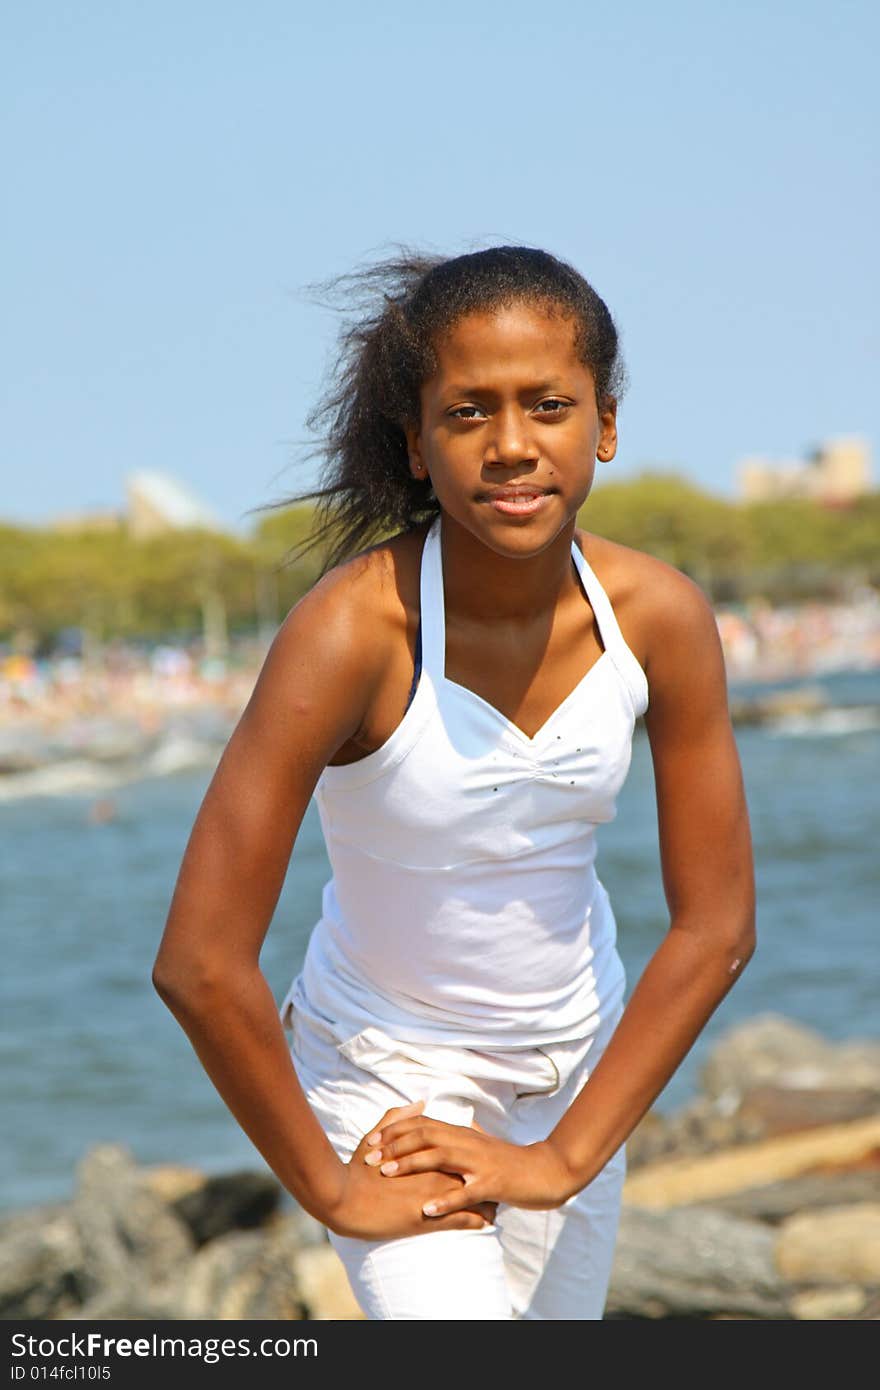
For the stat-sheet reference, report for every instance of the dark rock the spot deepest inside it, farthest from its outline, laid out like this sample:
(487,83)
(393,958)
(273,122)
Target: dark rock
(694,1262)
(229,1202)
(776,1201)
(771,1110)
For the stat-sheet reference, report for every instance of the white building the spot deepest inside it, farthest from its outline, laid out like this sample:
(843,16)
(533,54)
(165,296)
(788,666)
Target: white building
(159,503)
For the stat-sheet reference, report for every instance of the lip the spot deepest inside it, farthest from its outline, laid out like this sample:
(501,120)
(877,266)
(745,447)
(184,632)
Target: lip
(518,501)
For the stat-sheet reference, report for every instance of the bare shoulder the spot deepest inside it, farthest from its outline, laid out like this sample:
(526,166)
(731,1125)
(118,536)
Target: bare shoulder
(359,605)
(332,653)
(662,612)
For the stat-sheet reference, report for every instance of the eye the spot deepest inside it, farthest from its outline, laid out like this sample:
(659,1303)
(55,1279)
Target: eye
(558,406)
(457,413)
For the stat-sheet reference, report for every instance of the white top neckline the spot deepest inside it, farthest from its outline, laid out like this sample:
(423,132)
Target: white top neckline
(616,654)
(434,649)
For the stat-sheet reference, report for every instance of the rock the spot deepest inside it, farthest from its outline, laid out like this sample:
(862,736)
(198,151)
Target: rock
(120,1249)
(772,1050)
(699,1127)
(848,1301)
(698,1180)
(695,1263)
(324,1286)
(775,1202)
(171,1181)
(238,1201)
(707,1124)
(129,1238)
(216,1276)
(126,1303)
(838,1246)
(41,1261)
(871,1309)
(770,1110)
(308,1231)
(648,1141)
(246,1274)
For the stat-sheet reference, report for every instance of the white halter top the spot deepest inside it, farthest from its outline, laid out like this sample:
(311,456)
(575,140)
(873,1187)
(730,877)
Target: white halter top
(464,906)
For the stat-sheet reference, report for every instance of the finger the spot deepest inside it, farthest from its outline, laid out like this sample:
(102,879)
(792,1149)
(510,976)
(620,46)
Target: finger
(473,1218)
(418,1136)
(421,1128)
(425,1161)
(457,1199)
(396,1113)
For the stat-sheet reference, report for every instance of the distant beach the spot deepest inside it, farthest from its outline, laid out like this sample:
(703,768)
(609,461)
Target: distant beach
(71,724)
(763,642)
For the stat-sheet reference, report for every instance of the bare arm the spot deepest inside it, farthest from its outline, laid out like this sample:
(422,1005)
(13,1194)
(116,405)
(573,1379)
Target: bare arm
(707,872)
(310,698)
(706,857)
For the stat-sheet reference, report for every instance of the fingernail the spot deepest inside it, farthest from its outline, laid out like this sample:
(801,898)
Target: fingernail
(374,1138)
(389,1167)
(429,1209)
(373,1158)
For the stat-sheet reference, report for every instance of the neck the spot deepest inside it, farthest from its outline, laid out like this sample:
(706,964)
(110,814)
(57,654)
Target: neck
(482,585)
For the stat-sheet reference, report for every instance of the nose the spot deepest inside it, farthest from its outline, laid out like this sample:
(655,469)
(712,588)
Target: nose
(510,441)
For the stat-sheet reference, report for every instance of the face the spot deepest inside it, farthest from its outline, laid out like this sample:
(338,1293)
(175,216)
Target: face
(510,429)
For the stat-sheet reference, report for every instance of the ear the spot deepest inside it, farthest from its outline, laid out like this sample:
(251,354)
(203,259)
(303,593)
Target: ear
(607,446)
(414,449)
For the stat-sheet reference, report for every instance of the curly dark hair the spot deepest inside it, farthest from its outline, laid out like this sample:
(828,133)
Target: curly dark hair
(397,310)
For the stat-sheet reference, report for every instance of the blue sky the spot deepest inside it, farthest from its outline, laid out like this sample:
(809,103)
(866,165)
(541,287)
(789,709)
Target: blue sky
(175,173)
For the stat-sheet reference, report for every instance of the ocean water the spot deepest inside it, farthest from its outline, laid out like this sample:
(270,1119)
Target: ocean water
(90,1053)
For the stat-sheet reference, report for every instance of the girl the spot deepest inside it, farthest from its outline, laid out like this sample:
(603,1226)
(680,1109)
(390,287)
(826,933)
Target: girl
(462,1075)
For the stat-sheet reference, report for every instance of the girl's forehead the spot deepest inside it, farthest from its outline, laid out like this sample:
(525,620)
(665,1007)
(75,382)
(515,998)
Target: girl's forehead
(520,333)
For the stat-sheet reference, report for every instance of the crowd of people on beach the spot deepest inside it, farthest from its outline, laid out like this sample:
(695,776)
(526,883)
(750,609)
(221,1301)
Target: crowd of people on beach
(124,680)
(763,642)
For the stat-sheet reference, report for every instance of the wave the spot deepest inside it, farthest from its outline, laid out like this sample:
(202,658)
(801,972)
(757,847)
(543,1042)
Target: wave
(827,722)
(79,776)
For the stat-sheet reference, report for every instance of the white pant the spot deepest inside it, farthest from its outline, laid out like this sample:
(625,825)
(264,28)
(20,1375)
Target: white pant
(530,1264)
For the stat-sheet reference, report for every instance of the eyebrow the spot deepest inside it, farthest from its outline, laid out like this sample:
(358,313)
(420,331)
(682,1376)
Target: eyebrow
(465,389)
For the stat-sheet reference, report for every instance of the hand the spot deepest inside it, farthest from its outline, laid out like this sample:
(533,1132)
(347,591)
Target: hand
(370,1208)
(532,1175)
